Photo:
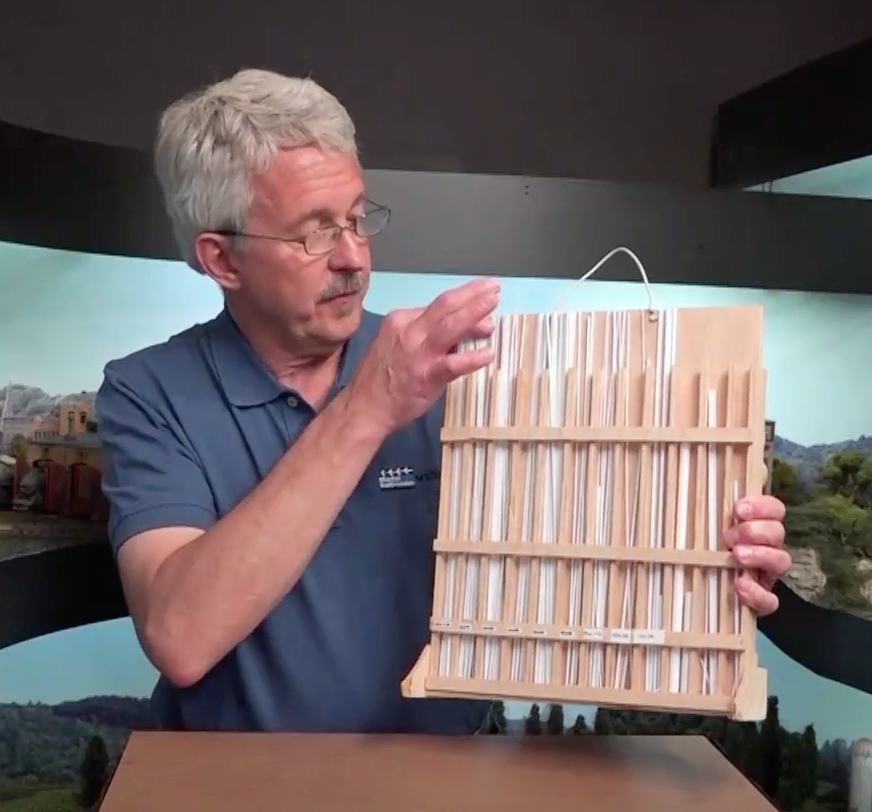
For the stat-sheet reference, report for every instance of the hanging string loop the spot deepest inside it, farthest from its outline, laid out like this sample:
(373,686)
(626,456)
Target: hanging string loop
(574,283)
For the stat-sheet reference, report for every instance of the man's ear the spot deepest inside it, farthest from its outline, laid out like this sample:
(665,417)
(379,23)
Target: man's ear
(215,256)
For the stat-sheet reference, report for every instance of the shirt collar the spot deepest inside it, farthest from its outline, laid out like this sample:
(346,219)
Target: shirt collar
(247,381)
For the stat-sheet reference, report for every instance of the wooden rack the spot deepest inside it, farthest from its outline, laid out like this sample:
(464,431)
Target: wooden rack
(587,477)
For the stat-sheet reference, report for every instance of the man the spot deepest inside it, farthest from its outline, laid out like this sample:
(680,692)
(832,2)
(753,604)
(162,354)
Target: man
(271,581)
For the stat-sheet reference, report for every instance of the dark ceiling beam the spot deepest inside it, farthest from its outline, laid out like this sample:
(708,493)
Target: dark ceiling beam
(67,194)
(817,115)
(64,193)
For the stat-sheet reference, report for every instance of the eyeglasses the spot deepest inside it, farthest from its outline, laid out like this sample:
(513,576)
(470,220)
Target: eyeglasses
(323,240)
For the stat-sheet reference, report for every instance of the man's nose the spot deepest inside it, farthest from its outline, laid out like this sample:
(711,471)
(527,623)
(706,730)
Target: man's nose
(350,253)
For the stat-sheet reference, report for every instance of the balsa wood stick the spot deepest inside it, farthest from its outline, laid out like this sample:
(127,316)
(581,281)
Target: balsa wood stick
(588,476)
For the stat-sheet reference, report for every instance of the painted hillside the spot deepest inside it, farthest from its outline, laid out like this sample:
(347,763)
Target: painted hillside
(828,493)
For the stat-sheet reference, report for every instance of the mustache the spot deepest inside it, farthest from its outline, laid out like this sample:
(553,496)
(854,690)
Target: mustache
(345,284)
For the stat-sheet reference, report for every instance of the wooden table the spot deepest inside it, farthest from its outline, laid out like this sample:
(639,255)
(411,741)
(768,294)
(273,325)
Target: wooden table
(188,772)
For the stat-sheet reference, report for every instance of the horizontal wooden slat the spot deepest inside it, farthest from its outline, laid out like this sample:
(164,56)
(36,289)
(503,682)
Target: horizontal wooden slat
(453,687)
(718,559)
(624,637)
(599,434)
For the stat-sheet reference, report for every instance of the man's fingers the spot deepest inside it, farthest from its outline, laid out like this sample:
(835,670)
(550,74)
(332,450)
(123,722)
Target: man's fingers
(460,325)
(770,561)
(456,317)
(484,329)
(454,299)
(767,533)
(765,507)
(756,596)
(457,364)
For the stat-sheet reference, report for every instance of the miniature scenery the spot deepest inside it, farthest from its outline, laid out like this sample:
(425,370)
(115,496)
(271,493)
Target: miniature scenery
(58,758)
(828,493)
(50,470)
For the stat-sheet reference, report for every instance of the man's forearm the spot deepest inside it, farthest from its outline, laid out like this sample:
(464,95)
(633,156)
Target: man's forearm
(213,592)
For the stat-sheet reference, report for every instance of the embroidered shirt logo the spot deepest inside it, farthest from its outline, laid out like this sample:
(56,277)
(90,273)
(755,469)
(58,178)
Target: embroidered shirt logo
(391,478)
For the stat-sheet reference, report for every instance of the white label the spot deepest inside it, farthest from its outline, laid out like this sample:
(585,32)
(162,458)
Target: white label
(464,627)
(513,630)
(488,628)
(621,636)
(648,637)
(592,634)
(539,632)
(567,632)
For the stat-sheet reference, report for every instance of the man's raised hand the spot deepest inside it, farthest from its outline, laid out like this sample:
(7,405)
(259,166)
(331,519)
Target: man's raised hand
(414,357)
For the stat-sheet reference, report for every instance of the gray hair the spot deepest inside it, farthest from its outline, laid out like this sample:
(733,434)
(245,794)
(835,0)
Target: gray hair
(210,143)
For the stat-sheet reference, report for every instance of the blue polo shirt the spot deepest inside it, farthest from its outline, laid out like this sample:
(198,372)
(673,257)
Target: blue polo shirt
(188,428)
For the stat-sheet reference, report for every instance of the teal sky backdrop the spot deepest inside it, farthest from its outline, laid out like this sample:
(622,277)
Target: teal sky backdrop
(63,315)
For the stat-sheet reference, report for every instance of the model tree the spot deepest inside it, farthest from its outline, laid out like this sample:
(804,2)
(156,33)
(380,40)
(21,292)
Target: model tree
(94,772)
(554,724)
(770,750)
(18,449)
(498,726)
(579,727)
(533,723)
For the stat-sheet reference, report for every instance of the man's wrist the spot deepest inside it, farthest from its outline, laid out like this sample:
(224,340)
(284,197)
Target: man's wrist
(359,423)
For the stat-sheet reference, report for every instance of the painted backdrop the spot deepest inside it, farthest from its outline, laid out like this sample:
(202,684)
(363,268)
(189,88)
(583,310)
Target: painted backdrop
(63,315)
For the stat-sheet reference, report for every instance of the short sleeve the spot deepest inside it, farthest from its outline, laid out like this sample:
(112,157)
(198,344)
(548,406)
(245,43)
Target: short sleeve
(151,478)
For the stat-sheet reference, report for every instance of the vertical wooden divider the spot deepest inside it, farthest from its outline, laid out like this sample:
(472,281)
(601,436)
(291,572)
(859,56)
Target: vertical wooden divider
(644,537)
(560,649)
(617,572)
(589,634)
(753,486)
(726,593)
(517,489)
(484,562)
(538,509)
(747,624)
(443,524)
(465,525)
(700,516)
(676,419)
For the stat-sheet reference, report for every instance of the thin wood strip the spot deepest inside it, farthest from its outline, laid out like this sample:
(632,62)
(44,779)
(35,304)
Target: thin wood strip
(727,665)
(616,636)
(538,508)
(741,415)
(591,552)
(598,434)
(492,387)
(517,484)
(753,487)
(580,485)
(590,517)
(670,520)
(446,485)
(699,477)
(646,462)
(575,695)
(617,573)
(466,477)
(560,652)
(579,474)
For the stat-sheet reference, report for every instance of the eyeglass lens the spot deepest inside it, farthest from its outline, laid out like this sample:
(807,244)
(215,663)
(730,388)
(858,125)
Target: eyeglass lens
(366,225)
